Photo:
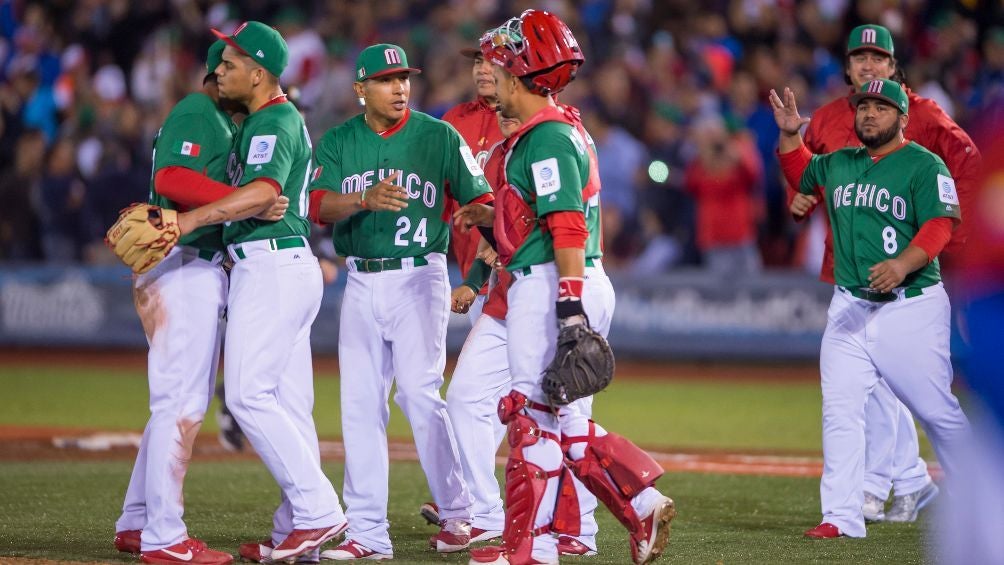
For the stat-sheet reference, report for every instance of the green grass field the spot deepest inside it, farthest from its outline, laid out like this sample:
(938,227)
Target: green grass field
(65,510)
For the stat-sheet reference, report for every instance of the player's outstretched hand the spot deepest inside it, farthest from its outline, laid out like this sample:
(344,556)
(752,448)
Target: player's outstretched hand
(472,215)
(461,299)
(387,195)
(888,274)
(276,211)
(802,204)
(786,112)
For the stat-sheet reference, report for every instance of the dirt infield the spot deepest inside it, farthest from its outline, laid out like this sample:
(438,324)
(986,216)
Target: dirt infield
(19,443)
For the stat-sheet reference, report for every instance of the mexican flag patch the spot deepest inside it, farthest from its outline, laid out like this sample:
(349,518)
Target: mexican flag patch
(187,148)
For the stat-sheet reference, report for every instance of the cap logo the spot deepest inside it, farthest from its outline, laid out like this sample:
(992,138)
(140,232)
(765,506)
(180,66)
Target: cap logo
(392,56)
(868,35)
(362,72)
(260,53)
(875,87)
(240,28)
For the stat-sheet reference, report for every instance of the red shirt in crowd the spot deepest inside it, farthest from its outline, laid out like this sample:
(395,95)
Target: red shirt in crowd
(727,209)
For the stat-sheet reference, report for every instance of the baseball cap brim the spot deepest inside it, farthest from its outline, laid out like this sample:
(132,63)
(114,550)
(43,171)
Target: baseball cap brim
(870,48)
(408,70)
(859,96)
(471,52)
(229,40)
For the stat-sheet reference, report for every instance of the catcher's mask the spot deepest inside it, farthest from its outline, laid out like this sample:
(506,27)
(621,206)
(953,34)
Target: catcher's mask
(537,47)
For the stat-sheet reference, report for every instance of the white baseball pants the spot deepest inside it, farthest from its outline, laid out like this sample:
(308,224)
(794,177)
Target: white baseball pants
(180,302)
(905,343)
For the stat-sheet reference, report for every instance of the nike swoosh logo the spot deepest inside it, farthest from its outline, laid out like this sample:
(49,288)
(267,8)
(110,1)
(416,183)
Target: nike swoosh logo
(187,556)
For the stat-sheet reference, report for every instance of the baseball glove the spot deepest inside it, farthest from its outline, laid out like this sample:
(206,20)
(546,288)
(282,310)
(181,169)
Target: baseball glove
(582,365)
(143,235)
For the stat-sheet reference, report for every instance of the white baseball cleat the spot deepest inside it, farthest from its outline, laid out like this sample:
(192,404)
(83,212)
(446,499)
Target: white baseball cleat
(905,508)
(873,508)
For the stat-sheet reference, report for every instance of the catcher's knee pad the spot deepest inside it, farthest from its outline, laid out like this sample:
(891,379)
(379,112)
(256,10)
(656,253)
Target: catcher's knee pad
(525,483)
(615,470)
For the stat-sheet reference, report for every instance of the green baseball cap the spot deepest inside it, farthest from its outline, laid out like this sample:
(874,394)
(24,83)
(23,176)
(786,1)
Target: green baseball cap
(870,36)
(381,59)
(883,89)
(260,42)
(215,55)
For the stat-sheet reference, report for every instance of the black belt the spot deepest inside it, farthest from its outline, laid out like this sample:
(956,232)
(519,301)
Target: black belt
(876,296)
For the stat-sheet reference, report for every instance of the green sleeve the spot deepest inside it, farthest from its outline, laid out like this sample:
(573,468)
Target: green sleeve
(934,192)
(556,169)
(327,172)
(477,275)
(270,155)
(813,175)
(464,175)
(187,140)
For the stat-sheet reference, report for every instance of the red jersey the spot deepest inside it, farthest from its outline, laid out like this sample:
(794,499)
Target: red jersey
(479,127)
(832,128)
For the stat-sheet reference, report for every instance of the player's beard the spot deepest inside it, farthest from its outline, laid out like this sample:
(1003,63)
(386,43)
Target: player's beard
(879,138)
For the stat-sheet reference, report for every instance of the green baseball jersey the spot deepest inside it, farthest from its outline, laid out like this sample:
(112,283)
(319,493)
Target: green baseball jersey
(196,135)
(432,158)
(876,209)
(548,168)
(272,143)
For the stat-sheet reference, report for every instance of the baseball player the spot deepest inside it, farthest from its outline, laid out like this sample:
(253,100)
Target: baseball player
(180,303)
(382,178)
(548,230)
(892,205)
(892,457)
(477,124)
(275,293)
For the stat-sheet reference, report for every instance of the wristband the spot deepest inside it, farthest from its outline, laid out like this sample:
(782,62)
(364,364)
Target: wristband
(570,288)
(569,308)
(362,200)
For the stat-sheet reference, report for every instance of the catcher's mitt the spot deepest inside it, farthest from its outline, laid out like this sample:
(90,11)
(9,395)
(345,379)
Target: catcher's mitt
(143,235)
(582,365)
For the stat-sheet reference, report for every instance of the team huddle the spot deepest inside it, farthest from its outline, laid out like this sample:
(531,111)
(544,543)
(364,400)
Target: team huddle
(512,180)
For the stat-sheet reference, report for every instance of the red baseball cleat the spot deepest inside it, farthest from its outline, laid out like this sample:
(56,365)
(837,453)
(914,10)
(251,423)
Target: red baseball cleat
(497,555)
(261,552)
(567,545)
(454,535)
(825,530)
(127,541)
(299,542)
(430,512)
(479,534)
(188,551)
(351,550)
(647,544)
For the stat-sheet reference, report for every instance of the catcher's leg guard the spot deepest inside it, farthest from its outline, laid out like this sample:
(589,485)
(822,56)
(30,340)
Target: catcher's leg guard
(615,470)
(567,514)
(525,483)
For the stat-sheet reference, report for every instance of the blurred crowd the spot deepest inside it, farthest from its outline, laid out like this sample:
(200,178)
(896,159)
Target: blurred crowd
(673,93)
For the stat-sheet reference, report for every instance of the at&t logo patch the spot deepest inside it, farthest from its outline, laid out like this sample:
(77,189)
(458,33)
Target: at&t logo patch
(546,177)
(261,149)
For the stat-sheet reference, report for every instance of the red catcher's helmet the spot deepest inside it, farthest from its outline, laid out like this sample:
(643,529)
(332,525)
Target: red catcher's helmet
(538,46)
